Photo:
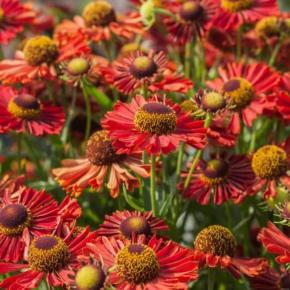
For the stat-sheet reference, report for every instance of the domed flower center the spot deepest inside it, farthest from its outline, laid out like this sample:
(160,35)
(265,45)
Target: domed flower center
(90,278)
(239,91)
(236,5)
(269,162)
(100,150)
(216,240)
(24,106)
(137,264)
(78,66)
(213,101)
(191,11)
(155,118)
(98,13)
(136,225)
(40,49)
(1,15)
(215,171)
(14,218)
(48,254)
(268,27)
(143,67)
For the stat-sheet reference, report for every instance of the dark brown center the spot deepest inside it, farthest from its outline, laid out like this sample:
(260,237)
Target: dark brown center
(191,11)
(143,67)
(216,168)
(13,215)
(135,225)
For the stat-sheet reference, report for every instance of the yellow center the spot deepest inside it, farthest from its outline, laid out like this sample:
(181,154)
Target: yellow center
(48,254)
(40,49)
(267,27)
(191,11)
(239,91)
(215,171)
(90,278)
(236,5)
(155,118)
(213,101)
(1,14)
(98,13)
(216,240)
(78,66)
(142,67)
(14,218)
(269,162)
(137,264)
(134,224)
(25,107)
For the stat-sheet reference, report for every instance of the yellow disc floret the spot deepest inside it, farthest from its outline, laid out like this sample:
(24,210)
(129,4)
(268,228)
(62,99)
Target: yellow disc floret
(268,26)
(134,225)
(90,278)
(142,67)
(40,49)
(215,171)
(137,264)
(269,162)
(236,5)
(216,240)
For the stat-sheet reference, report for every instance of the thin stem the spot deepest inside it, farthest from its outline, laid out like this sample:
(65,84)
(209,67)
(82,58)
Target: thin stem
(187,60)
(253,141)
(239,42)
(275,53)
(145,91)
(88,112)
(179,159)
(211,277)
(19,152)
(130,201)
(153,185)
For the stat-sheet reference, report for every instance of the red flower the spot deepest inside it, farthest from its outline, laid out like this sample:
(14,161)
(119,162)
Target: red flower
(99,22)
(140,265)
(192,19)
(226,177)
(215,247)
(22,112)
(13,15)
(39,59)
(101,163)
(283,105)
(232,14)
(7,183)
(276,243)
(152,126)
(24,214)
(244,85)
(126,223)
(49,257)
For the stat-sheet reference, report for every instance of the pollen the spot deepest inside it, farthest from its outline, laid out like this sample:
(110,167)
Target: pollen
(269,162)
(143,67)
(40,49)
(135,225)
(191,11)
(48,254)
(90,278)
(268,26)
(239,91)
(100,150)
(14,218)
(137,264)
(236,5)
(213,101)
(216,240)
(155,118)
(78,66)
(98,13)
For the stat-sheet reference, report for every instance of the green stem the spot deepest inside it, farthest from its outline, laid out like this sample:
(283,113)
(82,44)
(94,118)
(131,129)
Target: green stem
(239,42)
(164,12)
(130,201)
(179,159)
(275,53)
(211,277)
(253,141)
(145,91)
(153,185)
(88,112)
(19,152)
(187,60)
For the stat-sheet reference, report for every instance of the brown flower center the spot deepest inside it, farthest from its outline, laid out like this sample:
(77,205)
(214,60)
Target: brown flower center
(268,27)
(48,254)
(100,150)
(155,118)
(78,66)
(191,11)
(137,264)
(135,225)
(40,49)
(216,240)
(213,101)
(14,218)
(90,278)
(269,162)
(215,171)
(143,67)
(2,15)
(24,106)
(98,13)
(236,5)
(239,91)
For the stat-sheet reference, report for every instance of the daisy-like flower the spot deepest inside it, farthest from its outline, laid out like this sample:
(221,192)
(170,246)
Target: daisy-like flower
(39,59)
(101,163)
(98,22)
(13,16)
(23,112)
(276,243)
(49,257)
(233,13)
(125,224)
(244,86)
(215,246)
(193,17)
(223,177)
(156,264)
(24,214)
(270,164)
(152,126)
